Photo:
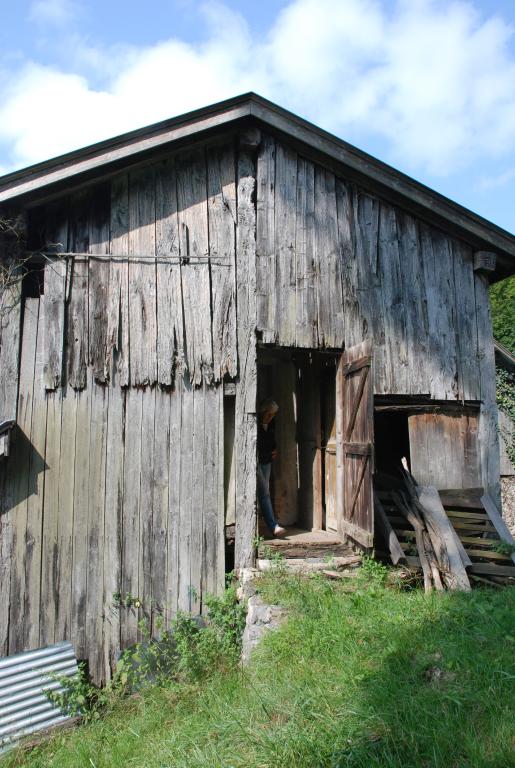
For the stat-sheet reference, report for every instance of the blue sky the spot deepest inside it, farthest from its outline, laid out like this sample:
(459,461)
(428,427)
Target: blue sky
(425,85)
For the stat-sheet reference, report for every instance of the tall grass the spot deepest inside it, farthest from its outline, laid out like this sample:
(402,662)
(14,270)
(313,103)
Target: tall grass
(358,676)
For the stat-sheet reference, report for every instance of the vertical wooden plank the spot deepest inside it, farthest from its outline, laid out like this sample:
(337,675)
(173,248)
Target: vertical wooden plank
(99,281)
(142,278)
(306,334)
(394,371)
(113,526)
(160,502)
(309,447)
(174,501)
(185,499)
(35,509)
(80,518)
(466,328)
(95,536)
(197,498)
(194,250)
(245,415)
(10,318)
(221,190)
(15,494)
(170,336)
(212,519)
(488,435)
(49,545)
(265,241)
(285,211)
(414,291)
(77,330)
(285,466)
(118,356)
(146,564)
(349,257)
(328,261)
(131,516)
(65,515)
(55,284)
(442,371)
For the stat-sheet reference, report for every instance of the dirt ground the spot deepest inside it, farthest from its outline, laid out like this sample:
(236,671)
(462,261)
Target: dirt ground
(508,502)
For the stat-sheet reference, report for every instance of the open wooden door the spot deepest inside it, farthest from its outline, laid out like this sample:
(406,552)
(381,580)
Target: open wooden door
(354,444)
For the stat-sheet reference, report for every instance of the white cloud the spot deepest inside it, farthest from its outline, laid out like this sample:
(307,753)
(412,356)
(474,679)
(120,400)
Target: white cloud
(435,81)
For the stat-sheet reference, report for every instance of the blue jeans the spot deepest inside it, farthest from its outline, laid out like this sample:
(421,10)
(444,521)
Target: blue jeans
(263,493)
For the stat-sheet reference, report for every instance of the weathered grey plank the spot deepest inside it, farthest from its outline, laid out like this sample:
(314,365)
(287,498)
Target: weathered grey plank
(345,196)
(213,532)
(54,297)
(221,191)
(442,370)
(146,563)
(36,489)
(245,409)
(198,479)
(160,501)
(194,248)
(80,518)
(10,317)
(99,282)
(284,222)
(497,521)
(131,542)
(142,278)
(488,436)
(184,596)
(265,241)
(328,259)
(306,333)
(65,518)
(77,330)
(174,490)
(49,543)
(113,522)
(95,535)
(170,326)
(466,329)
(394,371)
(16,491)
(117,355)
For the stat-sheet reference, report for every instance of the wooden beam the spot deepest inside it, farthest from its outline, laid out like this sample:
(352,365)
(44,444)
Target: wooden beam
(484,262)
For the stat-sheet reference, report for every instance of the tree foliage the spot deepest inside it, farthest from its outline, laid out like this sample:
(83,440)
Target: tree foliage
(502,300)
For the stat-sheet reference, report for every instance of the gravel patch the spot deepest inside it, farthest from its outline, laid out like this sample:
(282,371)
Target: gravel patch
(508,502)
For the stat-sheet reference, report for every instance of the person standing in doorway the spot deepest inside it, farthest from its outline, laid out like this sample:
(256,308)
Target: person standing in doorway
(267,452)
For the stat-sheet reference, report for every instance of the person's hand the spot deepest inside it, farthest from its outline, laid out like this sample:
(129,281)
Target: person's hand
(274,454)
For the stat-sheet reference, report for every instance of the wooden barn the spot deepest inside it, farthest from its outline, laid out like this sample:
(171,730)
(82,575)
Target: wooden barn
(156,286)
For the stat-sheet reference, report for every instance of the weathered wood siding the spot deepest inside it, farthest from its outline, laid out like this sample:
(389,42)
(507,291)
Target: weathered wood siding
(337,265)
(115,492)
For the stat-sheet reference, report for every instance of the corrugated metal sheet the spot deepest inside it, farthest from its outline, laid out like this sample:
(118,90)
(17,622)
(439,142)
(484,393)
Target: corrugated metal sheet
(24,708)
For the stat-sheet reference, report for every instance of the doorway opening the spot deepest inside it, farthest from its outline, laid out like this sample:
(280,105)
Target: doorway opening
(303,484)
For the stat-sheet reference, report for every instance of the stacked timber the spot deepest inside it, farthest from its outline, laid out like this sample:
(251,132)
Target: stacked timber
(453,537)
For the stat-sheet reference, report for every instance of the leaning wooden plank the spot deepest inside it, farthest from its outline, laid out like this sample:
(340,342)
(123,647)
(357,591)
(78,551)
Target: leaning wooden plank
(433,562)
(245,408)
(142,279)
(497,521)
(465,559)
(395,549)
(221,189)
(194,250)
(436,517)
(414,519)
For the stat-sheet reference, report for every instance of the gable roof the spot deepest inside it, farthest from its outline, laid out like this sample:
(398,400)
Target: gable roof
(82,166)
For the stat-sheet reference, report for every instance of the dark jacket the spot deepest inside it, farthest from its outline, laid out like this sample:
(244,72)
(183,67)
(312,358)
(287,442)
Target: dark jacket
(266,442)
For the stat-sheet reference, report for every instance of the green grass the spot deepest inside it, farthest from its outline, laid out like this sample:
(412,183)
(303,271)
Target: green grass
(363,677)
